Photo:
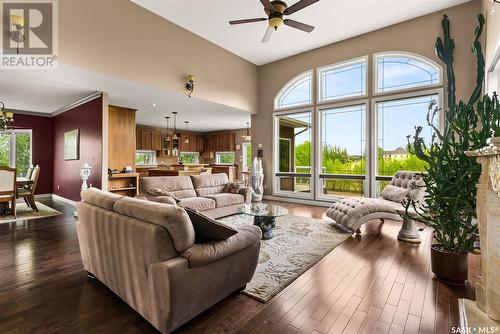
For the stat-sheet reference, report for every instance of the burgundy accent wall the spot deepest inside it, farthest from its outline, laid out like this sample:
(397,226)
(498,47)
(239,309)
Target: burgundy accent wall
(88,119)
(43,147)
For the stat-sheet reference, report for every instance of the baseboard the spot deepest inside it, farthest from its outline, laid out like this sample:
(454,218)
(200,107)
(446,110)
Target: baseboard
(297,200)
(63,199)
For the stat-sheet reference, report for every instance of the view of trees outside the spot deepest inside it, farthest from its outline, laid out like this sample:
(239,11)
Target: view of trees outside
(248,157)
(225,158)
(189,158)
(22,151)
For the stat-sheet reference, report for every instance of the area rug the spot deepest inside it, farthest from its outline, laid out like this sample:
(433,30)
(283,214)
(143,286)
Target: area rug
(298,244)
(26,213)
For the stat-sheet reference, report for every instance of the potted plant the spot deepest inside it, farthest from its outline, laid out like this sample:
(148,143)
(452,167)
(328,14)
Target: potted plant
(451,176)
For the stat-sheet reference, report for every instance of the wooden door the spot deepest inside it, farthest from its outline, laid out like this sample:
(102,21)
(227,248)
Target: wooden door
(138,139)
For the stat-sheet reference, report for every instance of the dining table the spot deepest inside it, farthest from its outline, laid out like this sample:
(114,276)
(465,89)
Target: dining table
(23,181)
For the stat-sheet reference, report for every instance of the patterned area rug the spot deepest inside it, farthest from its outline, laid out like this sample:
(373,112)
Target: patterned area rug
(298,244)
(26,213)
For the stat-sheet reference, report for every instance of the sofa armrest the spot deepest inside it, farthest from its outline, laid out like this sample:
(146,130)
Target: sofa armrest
(247,194)
(202,254)
(158,199)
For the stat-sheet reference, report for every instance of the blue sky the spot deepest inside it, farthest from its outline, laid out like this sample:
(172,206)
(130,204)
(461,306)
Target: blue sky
(345,127)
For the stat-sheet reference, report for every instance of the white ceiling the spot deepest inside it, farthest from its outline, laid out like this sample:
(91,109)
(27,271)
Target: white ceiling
(46,91)
(335,20)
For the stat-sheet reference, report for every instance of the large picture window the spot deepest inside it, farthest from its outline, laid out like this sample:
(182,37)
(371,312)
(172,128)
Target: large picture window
(343,151)
(356,143)
(16,150)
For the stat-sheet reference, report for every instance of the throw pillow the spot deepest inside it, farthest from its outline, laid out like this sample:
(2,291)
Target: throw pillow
(394,194)
(232,187)
(207,229)
(161,192)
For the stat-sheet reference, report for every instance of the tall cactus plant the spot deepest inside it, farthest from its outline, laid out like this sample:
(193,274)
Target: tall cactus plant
(451,176)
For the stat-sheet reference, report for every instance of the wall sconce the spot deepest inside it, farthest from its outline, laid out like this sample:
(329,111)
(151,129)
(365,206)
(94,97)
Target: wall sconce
(493,3)
(17,31)
(190,84)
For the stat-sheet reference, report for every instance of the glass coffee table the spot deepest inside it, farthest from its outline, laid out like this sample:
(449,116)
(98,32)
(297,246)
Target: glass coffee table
(264,216)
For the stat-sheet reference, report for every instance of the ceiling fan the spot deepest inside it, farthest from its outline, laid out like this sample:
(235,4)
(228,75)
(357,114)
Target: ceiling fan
(275,10)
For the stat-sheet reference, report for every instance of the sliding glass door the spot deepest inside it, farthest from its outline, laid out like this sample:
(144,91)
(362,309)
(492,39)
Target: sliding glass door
(342,151)
(293,158)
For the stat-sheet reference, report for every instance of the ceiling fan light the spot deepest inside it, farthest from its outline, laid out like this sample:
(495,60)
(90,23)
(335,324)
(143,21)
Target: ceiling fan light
(275,22)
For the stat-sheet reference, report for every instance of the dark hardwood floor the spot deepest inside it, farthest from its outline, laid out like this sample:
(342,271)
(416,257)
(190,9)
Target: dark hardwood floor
(371,284)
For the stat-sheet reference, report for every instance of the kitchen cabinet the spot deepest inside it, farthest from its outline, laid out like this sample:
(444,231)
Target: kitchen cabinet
(156,141)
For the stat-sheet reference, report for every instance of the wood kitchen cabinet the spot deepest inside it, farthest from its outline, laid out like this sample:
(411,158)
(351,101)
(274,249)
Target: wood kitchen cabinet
(156,141)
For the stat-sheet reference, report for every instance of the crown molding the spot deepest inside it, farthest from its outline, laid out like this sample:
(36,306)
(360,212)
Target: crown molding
(76,103)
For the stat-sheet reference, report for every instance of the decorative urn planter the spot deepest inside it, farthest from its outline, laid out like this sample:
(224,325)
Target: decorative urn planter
(452,268)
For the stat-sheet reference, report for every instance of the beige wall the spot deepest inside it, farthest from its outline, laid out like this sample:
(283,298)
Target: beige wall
(417,35)
(492,30)
(140,46)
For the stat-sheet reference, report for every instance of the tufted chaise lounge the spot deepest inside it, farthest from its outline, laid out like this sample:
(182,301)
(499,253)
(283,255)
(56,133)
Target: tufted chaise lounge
(353,212)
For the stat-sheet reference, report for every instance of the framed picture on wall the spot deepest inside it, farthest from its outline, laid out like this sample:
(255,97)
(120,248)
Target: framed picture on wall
(72,145)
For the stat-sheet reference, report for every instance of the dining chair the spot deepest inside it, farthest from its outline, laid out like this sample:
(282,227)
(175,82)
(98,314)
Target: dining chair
(8,188)
(29,171)
(28,193)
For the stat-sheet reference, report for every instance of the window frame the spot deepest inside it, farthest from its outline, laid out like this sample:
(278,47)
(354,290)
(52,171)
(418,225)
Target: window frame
(320,100)
(318,148)
(217,161)
(287,85)
(244,148)
(153,154)
(275,166)
(12,144)
(415,56)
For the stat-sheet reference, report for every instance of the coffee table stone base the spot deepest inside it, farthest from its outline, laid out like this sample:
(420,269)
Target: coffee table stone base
(409,232)
(266,225)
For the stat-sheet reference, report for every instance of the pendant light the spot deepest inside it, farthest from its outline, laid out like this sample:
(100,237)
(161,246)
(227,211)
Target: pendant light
(167,138)
(174,135)
(187,136)
(247,137)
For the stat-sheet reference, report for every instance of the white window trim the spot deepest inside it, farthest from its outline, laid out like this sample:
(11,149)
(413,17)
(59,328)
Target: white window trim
(318,148)
(415,56)
(12,148)
(373,125)
(224,163)
(286,87)
(359,60)
(275,137)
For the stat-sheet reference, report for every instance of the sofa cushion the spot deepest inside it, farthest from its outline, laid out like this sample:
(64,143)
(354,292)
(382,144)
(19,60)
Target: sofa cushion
(207,229)
(225,199)
(198,203)
(393,193)
(203,254)
(102,199)
(173,218)
(178,186)
(209,184)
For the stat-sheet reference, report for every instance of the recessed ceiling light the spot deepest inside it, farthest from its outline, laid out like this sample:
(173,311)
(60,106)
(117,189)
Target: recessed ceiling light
(154,104)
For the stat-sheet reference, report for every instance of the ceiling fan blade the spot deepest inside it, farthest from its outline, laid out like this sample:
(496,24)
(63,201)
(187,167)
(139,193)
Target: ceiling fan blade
(248,20)
(298,25)
(298,6)
(267,35)
(267,5)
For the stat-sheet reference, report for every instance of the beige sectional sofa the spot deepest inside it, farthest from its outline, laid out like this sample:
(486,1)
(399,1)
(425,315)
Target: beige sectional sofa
(203,193)
(145,252)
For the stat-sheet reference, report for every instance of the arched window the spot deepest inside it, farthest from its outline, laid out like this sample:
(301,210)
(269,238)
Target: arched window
(400,71)
(297,92)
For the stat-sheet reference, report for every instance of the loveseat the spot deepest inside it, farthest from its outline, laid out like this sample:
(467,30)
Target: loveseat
(206,193)
(145,252)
